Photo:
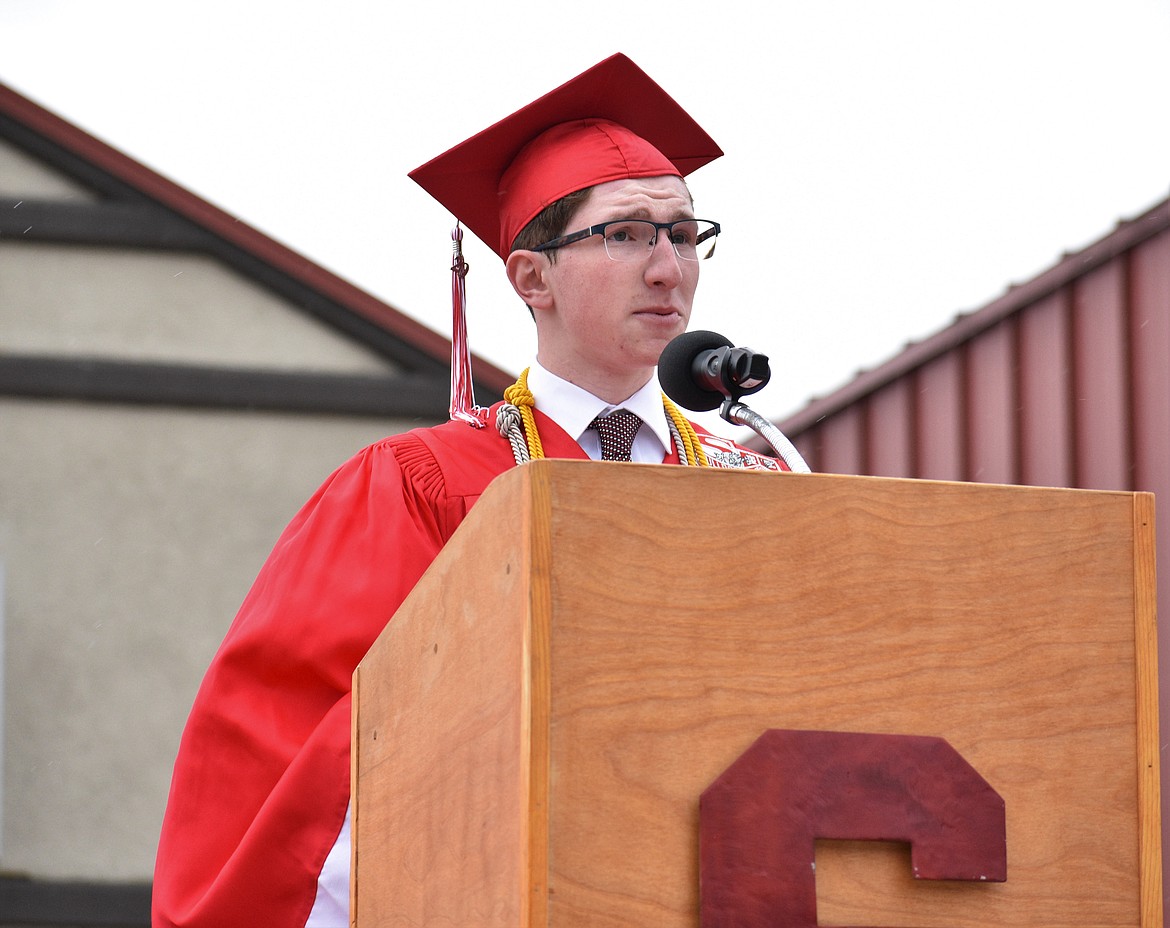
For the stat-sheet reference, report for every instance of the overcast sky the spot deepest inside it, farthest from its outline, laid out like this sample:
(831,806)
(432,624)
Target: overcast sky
(888,164)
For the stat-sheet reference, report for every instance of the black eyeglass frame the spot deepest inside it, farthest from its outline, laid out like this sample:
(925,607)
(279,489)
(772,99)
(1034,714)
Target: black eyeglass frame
(599,229)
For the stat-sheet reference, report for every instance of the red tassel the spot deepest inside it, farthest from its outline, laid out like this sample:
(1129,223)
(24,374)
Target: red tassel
(462,391)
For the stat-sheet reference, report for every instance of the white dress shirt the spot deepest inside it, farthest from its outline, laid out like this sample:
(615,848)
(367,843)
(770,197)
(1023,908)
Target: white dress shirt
(573,408)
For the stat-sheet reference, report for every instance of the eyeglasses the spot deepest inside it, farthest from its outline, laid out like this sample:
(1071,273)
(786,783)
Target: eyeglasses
(634,239)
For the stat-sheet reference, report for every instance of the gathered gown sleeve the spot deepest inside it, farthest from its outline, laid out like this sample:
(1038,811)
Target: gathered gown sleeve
(261,781)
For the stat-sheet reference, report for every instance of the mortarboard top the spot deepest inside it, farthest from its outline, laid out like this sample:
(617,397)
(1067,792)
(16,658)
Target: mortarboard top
(610,123)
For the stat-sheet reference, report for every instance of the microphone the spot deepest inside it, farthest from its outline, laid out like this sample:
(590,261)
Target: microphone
(701,371)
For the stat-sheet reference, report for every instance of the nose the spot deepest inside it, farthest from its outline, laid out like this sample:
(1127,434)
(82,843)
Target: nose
(664,267)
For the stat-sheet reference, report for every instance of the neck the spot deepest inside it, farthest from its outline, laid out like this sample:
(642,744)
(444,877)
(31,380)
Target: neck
(611,387)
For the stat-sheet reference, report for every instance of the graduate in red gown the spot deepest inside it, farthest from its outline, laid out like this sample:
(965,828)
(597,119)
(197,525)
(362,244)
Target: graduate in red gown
(255,831)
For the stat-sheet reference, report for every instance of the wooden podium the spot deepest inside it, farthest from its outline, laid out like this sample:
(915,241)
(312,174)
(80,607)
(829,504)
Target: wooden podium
(599,642)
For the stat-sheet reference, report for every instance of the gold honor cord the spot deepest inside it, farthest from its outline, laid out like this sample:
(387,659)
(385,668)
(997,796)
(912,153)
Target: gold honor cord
(519,396)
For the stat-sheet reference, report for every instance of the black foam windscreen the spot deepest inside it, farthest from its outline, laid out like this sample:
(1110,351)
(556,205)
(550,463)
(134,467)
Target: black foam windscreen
(676,370)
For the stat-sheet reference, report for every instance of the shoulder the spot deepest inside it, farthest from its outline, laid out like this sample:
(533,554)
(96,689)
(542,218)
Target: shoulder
(427,476)
(451,459)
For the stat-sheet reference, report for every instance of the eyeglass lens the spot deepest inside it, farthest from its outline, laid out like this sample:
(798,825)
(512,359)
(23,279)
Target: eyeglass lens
(631,239)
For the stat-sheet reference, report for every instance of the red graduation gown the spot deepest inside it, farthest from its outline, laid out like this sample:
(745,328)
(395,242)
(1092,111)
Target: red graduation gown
(261,782)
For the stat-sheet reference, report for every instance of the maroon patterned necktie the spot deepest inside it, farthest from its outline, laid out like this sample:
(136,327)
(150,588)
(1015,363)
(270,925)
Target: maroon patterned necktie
(616,431)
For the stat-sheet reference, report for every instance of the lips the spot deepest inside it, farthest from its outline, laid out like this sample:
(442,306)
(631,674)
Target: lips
(663,311)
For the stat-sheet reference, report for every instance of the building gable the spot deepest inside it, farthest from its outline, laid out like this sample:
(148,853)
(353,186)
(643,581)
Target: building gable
(116,284)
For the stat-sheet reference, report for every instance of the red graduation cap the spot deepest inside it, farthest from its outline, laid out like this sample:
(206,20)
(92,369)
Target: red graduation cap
(610,123)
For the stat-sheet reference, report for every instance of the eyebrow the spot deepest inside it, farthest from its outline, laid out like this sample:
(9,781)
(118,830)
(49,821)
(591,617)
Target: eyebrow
(642,212)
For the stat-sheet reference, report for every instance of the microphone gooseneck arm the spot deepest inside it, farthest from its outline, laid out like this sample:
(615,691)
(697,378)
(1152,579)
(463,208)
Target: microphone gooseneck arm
(739,414)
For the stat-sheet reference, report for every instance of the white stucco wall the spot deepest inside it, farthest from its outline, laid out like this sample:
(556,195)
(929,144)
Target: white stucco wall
(159,306)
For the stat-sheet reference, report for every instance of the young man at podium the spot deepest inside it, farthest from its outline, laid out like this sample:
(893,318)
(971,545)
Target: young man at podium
(582,195)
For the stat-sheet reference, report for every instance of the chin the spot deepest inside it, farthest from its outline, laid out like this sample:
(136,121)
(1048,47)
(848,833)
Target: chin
(649,358)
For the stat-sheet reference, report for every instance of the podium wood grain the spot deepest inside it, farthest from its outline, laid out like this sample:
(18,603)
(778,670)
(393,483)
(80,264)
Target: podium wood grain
(598,642)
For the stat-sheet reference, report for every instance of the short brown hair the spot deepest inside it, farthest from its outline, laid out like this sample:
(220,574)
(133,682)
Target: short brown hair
(550,223)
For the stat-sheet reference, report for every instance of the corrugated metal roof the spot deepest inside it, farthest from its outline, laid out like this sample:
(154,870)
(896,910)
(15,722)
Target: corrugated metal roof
(1124,238)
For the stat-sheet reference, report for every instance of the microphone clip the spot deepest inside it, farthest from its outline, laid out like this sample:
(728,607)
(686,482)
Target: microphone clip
(731,372)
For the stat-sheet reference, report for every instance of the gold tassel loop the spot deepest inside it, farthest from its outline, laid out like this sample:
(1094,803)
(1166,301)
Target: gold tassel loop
(696,457)
(521,397)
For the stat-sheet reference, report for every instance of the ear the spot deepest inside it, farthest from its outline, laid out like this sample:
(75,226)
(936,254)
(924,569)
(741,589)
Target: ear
(527,273)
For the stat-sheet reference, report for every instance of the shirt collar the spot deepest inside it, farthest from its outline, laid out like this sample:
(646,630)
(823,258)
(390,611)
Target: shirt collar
(573,408)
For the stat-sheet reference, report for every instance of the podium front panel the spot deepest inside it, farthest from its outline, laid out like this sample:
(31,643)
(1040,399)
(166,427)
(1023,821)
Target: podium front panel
(652,622)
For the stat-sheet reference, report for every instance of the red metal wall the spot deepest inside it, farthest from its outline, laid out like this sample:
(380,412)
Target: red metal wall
(1064,381)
